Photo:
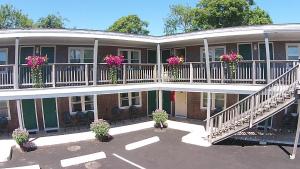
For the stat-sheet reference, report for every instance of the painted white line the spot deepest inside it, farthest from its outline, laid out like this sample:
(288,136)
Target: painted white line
(26,167)
(141,143)
(130,162)
(82,159)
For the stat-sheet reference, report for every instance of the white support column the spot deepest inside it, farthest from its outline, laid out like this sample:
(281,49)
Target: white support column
(95,107)
(207,61)
(293,155)
(95,64)
(20,117)
(16,66)
(268,58)
(158,61)
(160,99)
(208,108)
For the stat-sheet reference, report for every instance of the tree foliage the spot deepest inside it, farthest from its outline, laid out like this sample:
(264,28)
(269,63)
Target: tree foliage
(11,17)
(130,24)
(51,21)
(211,14)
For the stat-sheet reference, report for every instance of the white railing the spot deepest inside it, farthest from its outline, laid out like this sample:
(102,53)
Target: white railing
(6,76)
(245,113)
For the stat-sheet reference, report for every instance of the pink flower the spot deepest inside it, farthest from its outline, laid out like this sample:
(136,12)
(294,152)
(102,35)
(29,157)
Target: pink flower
(232,57)
(113,60)
(174,60)
(36,61)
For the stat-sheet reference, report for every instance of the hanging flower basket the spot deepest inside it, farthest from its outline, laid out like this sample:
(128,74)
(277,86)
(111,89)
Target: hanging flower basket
(114,63)
(36,63)
(230,62)
(173,64)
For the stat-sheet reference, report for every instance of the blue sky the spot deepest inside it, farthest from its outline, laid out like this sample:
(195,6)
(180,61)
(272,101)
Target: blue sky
(99,14)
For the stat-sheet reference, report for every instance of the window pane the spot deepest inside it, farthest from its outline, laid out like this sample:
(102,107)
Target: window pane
(76,107)
(124,103)
(293,52)
(3,109)
(218,52)
(75,56)
(219,102)
(89,106)
(135,101)
(88,56)
(3,57)
(134,94)
(124,95)
(88,98)
(125,54)
(135,55)
(76,99)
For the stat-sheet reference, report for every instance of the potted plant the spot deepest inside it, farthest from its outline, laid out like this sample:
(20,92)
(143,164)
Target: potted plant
(36,63)
(21,136)
(173,63)
(114,63)
(230,62)
(101,129)
(160,118)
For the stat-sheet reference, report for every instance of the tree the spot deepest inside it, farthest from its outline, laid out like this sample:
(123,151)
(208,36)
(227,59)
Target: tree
(180,19)
(51,21)
(11,17)
(259,17)
(130,24)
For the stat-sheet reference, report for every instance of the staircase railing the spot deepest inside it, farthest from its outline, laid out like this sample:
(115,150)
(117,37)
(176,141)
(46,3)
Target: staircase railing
(242,114)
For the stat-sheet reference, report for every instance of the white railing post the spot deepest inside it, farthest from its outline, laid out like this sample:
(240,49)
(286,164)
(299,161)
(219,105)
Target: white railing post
(124,73)
(208,108)
(191,73)
(253,72)
(95,107)
(16,66)
(162,73)
(53,75)
(95,60)
(86,74)
(158,62)
(222,73)
(154,73)
(268,58)
(251,111)
(207,61)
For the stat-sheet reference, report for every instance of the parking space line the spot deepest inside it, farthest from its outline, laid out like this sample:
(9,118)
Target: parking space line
(26,167)
(130,162)
(142,143)
(82,159)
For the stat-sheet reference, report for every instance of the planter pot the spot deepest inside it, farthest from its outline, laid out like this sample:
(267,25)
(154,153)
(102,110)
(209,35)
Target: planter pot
(28,146)
(105,138)
(157,125)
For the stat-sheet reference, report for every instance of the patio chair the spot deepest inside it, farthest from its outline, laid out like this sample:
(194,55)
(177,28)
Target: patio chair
(81,118)
(90,116)
(3,124)
(133,112)
(115,114)
(69,121)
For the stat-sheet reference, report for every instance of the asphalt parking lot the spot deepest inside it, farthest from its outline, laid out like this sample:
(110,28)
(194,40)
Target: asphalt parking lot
(167,153)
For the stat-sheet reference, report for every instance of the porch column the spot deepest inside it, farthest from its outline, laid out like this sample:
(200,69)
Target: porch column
(158,61)
(160,99)
(293,155)
(20,117)
(207,61)
(95,58)
(268,58)
(95,98)
(16,67)
(208,108)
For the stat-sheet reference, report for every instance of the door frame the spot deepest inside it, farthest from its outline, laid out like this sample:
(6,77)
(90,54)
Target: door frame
(245,43)
(185,105)
(37,121)
(57,118)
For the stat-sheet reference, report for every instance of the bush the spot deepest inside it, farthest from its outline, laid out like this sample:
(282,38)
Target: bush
(21,136)
(160,117)
(100,128)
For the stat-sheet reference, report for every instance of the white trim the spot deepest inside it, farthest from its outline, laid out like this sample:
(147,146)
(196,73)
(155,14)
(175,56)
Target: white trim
(202,54)
(57,118)
(129,100)
(291,44)
(258,49)
(82,101)
(82,49)
(213,100)
(129,57)
(245,43)
(36,117)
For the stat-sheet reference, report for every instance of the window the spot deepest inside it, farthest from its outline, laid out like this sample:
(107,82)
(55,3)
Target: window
(130,55)
(293,51)
(129,99)
(81,55)
(4,109)
(3,56)
(81,103)
(214,53)
(218,100)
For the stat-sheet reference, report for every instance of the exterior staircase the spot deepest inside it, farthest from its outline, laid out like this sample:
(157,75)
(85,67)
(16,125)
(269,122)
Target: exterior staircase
(255,108)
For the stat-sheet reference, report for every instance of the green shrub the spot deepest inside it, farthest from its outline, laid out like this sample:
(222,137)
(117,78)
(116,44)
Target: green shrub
(160,117)
(100,128)
(20,136)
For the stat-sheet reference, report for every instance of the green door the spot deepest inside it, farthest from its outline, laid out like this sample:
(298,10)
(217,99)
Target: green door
(24,52)
(50,52)
(152,98)
(50,113)
(167,101)
(29,114)
(246,51)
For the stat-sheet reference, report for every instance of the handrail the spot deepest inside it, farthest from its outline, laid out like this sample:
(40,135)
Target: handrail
(251,95)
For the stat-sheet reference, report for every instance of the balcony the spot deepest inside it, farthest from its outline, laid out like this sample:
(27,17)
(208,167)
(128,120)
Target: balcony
(81,74)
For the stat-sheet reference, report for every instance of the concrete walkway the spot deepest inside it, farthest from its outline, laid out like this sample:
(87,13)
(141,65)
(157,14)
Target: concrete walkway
(196,136)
